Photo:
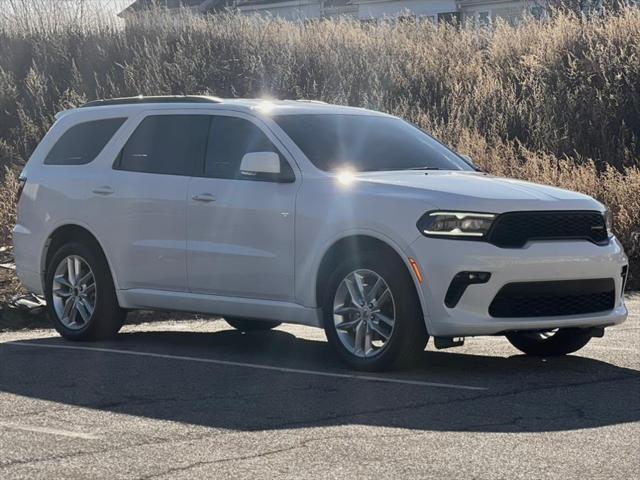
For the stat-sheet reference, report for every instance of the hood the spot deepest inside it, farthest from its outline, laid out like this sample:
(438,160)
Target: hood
(476,191)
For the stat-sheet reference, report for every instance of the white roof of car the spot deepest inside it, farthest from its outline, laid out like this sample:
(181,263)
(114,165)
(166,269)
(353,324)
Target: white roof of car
(260,106)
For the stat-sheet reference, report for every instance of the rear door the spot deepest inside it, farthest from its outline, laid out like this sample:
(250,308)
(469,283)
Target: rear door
(241,226)
(142,202)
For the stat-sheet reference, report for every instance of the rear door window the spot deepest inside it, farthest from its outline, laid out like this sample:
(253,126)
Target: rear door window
(83,142)
(166,144)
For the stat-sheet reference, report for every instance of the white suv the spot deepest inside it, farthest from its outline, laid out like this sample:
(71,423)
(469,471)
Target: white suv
(297,211)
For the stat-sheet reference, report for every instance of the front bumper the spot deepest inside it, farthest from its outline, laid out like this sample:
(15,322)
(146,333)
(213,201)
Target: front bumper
(441,259)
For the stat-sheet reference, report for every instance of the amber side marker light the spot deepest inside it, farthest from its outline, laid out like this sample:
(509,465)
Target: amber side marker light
(416,270)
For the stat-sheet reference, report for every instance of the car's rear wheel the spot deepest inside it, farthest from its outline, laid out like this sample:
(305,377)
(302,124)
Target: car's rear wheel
(81,298)
(545,343)
(372,315)
(251,325)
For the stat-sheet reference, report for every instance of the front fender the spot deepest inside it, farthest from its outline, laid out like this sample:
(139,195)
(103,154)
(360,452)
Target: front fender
(308,272)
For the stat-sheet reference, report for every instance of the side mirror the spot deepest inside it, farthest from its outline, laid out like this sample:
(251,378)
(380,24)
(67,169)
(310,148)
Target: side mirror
(255,163)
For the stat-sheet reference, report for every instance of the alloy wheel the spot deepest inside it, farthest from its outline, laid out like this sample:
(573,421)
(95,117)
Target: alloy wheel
(364,313)
(74,292)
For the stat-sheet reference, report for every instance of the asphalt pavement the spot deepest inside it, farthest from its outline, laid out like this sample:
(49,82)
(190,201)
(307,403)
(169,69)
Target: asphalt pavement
(197,399)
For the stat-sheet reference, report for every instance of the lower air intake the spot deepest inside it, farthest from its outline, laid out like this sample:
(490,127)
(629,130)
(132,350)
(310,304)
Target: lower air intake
(550,299)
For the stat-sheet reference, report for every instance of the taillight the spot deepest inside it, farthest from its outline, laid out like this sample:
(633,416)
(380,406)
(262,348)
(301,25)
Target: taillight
(21,183)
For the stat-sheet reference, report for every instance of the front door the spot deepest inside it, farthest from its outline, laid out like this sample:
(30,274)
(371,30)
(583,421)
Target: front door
(240,226)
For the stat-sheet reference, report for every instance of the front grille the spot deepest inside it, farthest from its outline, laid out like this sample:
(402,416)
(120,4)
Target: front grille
(557,298)
(515,229)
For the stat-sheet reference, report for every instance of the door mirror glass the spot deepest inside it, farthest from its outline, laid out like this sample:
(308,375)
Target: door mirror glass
(255,163)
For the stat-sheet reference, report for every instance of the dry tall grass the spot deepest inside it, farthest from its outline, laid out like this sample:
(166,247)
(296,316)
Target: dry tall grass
(555,102)
(8,191)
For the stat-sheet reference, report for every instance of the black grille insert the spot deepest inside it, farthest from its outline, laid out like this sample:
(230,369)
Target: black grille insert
(515,229)
(557,298)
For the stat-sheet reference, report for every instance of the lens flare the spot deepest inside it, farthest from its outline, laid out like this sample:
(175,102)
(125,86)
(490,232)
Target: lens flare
(266,106)
(345,177)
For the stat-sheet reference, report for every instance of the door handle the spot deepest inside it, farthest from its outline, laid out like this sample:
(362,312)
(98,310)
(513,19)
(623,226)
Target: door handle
(103,190)
(204,197)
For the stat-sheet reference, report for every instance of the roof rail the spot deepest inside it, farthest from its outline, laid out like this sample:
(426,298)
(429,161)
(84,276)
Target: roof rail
(156,99)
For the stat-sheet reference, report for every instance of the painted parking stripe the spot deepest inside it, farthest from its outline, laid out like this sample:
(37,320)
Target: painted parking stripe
(318,373)
(50,431)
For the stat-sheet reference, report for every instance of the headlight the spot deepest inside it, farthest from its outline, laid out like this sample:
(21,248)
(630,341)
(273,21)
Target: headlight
(455,224)
(608,220)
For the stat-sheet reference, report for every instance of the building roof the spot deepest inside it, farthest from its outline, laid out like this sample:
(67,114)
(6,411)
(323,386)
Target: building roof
(202,5)
(141,5)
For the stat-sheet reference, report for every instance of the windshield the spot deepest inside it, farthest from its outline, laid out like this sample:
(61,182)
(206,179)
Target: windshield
(367,143)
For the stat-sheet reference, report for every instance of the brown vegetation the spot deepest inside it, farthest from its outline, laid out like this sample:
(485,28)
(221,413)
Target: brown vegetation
(555,102)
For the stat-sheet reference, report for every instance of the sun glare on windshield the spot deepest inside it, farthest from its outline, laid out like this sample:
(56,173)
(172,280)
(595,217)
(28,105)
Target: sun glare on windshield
(369,142)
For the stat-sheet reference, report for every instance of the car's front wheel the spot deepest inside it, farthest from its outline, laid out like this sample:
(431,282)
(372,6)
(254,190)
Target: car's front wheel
(80,295)
(372,315)
(549,343)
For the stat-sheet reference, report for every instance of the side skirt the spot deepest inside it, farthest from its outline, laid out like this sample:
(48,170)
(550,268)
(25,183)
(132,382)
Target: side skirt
(287,312)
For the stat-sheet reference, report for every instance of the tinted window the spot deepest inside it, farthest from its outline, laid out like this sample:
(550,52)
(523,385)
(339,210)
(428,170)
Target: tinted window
(83,142)
(230,139)
(367,143)
(167,144)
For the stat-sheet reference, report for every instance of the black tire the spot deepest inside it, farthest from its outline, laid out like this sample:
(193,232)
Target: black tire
(409,336)
(251,325)
(562,342)
(107,317)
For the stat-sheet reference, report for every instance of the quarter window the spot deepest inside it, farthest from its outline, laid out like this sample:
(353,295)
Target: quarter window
(230,139)
(166,144)
(82,143)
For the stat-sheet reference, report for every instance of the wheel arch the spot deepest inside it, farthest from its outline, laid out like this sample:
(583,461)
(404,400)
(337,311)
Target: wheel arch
(354,245)
(65,233)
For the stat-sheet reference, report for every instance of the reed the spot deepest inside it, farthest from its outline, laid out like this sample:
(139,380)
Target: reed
(555,102)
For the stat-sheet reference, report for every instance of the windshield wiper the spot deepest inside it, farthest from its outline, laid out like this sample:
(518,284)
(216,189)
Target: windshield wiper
(400,169)
(424,168)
